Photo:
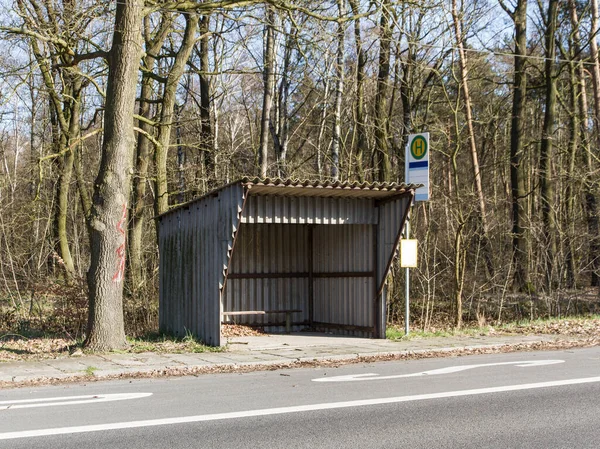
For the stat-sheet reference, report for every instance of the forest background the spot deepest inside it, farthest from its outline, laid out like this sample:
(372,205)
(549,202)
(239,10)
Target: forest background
(113,112)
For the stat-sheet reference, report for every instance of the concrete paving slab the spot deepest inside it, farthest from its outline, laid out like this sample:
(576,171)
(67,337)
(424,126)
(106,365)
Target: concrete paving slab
(19,371)
(268,350)
(293,340)
(123,359)
(188,359)
(218,357)
(69,365)
(150,358)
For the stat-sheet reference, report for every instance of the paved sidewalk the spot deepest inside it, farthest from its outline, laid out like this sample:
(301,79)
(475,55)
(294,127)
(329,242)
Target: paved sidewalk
(251,352)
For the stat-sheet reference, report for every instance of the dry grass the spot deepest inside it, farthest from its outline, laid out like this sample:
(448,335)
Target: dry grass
(15,347)
(572,327)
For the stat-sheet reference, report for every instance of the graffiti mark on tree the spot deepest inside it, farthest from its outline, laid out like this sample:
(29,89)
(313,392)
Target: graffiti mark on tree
(118,277)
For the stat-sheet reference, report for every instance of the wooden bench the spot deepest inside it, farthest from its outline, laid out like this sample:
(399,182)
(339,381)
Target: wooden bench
(288,315)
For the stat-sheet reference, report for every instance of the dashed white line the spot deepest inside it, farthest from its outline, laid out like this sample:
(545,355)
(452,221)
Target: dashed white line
(434,372)
(69,400)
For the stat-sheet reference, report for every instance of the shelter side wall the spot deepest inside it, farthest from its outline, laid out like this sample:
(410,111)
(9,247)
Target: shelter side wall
(230,207)
(195,244)
(345,299)
(168,244)
(391,224)
(308,210)
(270,251)
(174,272)
(392,216)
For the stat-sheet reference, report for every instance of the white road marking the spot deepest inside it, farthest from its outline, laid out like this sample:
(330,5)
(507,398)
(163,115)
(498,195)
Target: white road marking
(286,410)
(70,400)
(433,372)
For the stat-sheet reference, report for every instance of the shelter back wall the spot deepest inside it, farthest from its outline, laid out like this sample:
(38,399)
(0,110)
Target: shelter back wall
(279,249)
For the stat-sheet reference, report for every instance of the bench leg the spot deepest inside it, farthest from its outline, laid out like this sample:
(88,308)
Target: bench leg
(288,322)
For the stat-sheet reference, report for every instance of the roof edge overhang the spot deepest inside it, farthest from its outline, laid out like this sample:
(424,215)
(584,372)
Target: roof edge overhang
(299,188)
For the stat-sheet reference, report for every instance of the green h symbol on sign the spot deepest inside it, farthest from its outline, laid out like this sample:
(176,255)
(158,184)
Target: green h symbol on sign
(418,147)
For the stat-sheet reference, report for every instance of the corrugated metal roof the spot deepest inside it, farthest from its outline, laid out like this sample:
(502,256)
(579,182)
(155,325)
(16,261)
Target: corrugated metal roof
(291,187)
(326,189)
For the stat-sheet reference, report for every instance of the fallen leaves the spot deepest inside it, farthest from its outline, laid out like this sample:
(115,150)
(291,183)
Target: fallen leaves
(15,347)
(575,327)
(239,330)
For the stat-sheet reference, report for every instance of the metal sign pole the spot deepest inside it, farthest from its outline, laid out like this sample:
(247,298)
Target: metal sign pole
(407,235)
(416,171)
(407,294)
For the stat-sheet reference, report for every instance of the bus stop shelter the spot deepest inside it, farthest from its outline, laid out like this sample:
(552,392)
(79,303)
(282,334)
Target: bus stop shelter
(281,254)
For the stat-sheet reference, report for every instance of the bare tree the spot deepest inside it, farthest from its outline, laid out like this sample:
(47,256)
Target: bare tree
(381,154)
(339,91)
(546,189)
(207,135)
(591,199)
(464,78)
(154,39)
(108,220)
(519,244)
(269,84)
(167,117)
(361,141)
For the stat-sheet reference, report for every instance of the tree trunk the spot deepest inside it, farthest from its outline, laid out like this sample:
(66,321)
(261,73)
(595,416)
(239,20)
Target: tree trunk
(574,143)
(64,118)
(108,218)
(168,106)
(546,189)
(339,91)
(144,150)
(139,181)
(206,131)
(486,247)
(62,208)
(581,107)
(405,90)
(322,128)
(517,183)
(361,135)
(590,195)
(280,133)
(269,82)
(381,159)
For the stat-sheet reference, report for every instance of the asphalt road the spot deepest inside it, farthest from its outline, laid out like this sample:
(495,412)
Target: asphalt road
(533,400)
